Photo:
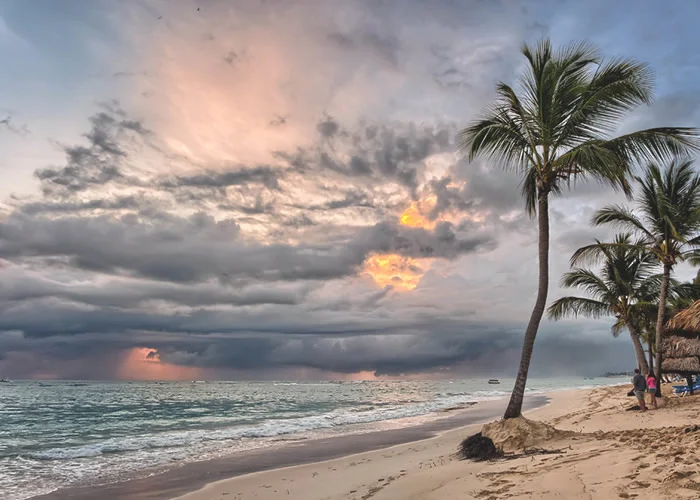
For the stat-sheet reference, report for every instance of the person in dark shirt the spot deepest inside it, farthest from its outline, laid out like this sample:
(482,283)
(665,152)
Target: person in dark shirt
(640,387)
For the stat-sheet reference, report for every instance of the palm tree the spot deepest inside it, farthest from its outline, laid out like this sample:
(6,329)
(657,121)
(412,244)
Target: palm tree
(623,281)
(556,131)
(668,225)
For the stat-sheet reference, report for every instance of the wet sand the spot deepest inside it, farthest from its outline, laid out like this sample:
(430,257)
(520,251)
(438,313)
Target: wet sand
(192,477)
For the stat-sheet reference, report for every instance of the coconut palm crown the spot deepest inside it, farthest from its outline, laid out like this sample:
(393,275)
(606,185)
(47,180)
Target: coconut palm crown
(556,129)
(667,220)
(625,279)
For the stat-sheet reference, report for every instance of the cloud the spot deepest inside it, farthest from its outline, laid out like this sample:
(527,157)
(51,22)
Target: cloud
(272,187)
(117,203)
(198,247)
(9,124)
(100,161)
(267,176)
(444,347)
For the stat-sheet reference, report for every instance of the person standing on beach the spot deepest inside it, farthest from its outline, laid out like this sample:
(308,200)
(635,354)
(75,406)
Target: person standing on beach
(640,387)
(651,387)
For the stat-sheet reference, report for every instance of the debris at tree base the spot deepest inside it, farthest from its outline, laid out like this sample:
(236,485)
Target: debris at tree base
(478,448)
(509,439)
(520,434)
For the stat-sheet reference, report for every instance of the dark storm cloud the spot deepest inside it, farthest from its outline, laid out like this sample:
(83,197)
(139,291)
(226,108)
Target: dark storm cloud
(298,221)
(387,152)
(265,175)
(17,288)
(117,203)
(352,199)
(328,127)
(100,161)
(367,157)
(257,208)
(418,242)
(462,347)
(199,247)
(448,197)
(282,283)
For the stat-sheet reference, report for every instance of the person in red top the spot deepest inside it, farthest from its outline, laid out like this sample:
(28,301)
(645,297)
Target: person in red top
(651,389)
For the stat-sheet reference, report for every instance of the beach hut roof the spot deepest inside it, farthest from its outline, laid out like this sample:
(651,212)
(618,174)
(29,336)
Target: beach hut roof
(688,320)
(681,366)
(675,346)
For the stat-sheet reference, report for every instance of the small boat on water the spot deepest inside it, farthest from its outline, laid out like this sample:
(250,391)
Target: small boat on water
(5,380)
(494,381)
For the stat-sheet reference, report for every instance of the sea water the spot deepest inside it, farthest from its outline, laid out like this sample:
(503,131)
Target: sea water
(59,434)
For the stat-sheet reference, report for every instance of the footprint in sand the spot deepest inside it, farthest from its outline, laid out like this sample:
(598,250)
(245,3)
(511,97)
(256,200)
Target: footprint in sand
(639,484)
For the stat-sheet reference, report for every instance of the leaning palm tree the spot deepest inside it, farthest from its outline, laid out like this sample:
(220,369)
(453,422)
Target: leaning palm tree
(617,289)
(668,223)
(555,131)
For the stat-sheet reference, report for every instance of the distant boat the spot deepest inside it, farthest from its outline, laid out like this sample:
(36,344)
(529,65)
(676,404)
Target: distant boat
(6,380)
(494,381)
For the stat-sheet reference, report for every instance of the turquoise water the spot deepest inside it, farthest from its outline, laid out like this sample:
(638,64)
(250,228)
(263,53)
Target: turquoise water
(58,434)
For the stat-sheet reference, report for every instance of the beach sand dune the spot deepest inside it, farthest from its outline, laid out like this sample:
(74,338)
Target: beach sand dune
(599,450)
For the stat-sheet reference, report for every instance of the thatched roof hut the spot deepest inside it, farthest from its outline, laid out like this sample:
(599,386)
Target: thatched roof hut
(687,320)
(677,346)
(682,366)
(680,350)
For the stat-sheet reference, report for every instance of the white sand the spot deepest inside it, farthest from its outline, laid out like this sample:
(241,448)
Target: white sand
(612,454)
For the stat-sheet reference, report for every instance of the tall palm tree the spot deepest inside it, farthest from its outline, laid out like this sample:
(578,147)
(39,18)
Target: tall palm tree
(623,281)
(668,225)
(556,130)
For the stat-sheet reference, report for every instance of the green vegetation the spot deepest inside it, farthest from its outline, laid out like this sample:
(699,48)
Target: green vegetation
(557,129)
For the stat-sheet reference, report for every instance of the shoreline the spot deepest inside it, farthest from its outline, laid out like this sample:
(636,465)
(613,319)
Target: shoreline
(601,447)
(193,477)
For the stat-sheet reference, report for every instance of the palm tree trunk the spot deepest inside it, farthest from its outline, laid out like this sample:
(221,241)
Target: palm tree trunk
(638,350)
(516,397)
(651,357)
(660,323)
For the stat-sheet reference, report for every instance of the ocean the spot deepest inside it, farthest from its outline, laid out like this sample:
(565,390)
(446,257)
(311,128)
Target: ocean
(60,433)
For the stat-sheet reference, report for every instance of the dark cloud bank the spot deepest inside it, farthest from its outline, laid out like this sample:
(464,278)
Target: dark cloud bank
(88,275)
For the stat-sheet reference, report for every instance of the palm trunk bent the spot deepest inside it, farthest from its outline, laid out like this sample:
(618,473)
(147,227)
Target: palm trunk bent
(516,398)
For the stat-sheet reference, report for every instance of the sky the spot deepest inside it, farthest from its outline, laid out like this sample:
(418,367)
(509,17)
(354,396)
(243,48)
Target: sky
(269,189)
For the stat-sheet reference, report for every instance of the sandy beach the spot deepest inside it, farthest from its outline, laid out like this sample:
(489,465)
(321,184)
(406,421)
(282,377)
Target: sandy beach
(609,453)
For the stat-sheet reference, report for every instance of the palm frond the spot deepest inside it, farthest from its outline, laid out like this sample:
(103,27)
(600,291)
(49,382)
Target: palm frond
(577,306)
(499,137)
(621,217)
(617,87)
(598,252)
(656,144)
(618,327)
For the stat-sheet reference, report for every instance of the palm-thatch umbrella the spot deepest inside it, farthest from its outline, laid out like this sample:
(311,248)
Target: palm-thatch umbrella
(681,346)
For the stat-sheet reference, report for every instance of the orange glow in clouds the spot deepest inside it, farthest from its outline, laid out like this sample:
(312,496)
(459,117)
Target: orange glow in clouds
(414,216)
(403,273)
(143,363)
